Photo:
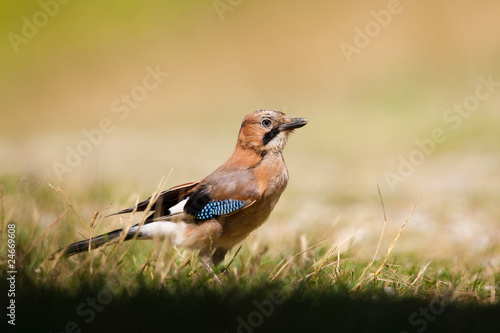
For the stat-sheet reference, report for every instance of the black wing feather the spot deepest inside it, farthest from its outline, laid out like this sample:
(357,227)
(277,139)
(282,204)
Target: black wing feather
(199,199)
(166,199)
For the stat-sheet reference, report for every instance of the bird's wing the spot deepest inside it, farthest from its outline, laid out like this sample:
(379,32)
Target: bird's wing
(169,202)
(217,195)
(222,195)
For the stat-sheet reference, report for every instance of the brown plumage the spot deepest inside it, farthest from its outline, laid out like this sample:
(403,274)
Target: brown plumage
(218,212)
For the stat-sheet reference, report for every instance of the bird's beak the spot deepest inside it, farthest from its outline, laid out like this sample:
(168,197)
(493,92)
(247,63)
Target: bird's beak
(293,124)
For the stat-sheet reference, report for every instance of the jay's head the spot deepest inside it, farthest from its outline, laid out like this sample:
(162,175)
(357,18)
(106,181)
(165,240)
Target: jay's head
(267,130)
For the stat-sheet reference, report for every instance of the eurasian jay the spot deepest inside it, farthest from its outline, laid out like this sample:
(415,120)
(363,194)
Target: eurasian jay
(218,212)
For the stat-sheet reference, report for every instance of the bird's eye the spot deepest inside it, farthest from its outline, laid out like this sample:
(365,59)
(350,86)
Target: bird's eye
(266,123)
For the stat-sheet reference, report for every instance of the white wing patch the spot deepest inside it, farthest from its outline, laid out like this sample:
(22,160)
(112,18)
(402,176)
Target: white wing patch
(179,207)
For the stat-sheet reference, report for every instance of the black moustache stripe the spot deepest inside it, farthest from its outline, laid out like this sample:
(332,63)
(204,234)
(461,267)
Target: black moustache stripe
(270,135)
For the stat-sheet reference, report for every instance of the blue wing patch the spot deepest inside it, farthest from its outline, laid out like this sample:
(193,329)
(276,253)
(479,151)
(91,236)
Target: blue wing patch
(219,207)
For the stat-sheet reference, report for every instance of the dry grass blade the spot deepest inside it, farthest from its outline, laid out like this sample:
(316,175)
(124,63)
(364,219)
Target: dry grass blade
(46,231)
(235,254)
(119,241)
(61,193)
(145,266)
(303,247)
(151,203)
(492,282)
(419,277)
(94,217)
(421,273)
(393,244)
(379,242)
(311,274)
(292,258)
(325,258)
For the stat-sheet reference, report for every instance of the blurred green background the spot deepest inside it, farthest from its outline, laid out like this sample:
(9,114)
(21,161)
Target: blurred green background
(226,59)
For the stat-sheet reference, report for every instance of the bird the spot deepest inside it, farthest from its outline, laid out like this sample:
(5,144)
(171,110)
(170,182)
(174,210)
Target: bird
(218,212)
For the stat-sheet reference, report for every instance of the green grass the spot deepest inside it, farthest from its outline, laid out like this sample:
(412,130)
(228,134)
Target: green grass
(150,286)
(364,116)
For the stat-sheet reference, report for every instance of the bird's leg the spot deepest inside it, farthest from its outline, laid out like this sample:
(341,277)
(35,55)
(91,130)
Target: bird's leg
(206,260)
(218,256)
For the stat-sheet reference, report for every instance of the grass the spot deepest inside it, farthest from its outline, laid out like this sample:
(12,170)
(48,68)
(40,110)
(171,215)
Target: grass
(324,259)
(315,285)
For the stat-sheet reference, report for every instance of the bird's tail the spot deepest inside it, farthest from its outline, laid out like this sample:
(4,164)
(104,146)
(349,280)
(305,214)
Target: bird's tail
(93,243)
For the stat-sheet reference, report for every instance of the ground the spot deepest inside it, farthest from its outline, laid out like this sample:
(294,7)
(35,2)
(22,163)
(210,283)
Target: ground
(101,100)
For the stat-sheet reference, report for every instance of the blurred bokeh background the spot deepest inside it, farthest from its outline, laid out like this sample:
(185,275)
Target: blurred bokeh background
(68,69)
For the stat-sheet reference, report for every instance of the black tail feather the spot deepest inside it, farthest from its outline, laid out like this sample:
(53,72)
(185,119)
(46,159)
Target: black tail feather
(95,242)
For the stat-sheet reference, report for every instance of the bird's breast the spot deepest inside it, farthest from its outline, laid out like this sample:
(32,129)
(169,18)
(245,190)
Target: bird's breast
(272,176)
